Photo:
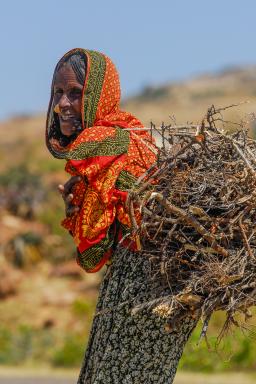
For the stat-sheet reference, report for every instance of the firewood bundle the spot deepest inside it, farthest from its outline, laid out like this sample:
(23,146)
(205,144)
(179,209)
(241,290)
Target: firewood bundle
(198,228)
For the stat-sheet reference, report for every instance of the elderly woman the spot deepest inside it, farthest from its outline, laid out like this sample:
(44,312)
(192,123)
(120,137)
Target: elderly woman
(86,127)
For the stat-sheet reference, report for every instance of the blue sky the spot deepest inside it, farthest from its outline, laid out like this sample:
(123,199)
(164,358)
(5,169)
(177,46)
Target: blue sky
(151,42)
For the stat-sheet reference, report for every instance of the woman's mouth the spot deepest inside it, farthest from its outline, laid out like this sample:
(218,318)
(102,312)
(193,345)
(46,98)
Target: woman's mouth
(69,124)
(67,117)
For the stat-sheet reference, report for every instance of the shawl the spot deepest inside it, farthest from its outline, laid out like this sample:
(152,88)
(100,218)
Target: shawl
(108,157)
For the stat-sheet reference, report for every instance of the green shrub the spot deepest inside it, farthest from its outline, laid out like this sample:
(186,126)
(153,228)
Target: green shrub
(70,353)
(236,351)
(6,345)
(83,308)
(39,346)
(16,346)
(27,344)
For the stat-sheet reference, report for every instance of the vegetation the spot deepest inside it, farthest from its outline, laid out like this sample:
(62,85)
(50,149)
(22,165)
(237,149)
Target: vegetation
(47,318)
(29,345)
(236,351)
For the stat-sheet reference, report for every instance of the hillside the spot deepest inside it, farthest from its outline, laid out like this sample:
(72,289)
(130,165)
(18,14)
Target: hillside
(186,100)
(46,302)
(189,100)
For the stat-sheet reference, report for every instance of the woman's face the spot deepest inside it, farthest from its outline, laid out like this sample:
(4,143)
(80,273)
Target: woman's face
(68,96)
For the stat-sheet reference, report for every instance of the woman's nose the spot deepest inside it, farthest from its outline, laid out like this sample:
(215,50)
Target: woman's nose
(64,101)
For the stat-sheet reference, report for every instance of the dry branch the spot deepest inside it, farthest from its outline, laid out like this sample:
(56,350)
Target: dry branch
(199,219)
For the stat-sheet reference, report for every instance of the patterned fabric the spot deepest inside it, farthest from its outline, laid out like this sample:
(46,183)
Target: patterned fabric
(108,158)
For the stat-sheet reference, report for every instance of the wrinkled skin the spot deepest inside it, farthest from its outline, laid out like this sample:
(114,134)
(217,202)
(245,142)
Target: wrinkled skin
(68,99)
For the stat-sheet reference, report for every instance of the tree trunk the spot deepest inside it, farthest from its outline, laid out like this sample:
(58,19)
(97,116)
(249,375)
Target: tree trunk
(125,348)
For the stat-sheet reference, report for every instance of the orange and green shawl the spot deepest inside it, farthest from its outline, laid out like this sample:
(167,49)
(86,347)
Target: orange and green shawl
(109,159)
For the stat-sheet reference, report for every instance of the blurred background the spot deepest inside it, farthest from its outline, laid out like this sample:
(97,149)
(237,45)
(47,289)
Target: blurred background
(175,58)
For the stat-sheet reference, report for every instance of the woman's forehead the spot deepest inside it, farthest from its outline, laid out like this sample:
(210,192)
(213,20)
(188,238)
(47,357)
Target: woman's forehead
(65,74)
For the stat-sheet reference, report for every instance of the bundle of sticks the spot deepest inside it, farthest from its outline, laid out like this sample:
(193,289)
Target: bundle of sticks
(198,228)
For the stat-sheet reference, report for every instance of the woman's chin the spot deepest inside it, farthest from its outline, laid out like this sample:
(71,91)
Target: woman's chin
(68,131)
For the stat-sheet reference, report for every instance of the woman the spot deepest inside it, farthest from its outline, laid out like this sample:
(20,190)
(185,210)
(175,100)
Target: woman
(86,127)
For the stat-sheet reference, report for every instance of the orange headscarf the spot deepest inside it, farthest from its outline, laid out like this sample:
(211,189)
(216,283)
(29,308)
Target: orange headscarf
(107,156)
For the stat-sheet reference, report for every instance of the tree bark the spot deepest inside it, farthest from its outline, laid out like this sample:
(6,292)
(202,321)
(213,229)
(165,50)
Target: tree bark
(125,348)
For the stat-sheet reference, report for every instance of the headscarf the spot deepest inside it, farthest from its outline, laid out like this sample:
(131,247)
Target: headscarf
(108,157)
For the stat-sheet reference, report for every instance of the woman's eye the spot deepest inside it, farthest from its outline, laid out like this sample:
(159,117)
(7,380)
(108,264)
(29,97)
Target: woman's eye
(57,94)
(75,92)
